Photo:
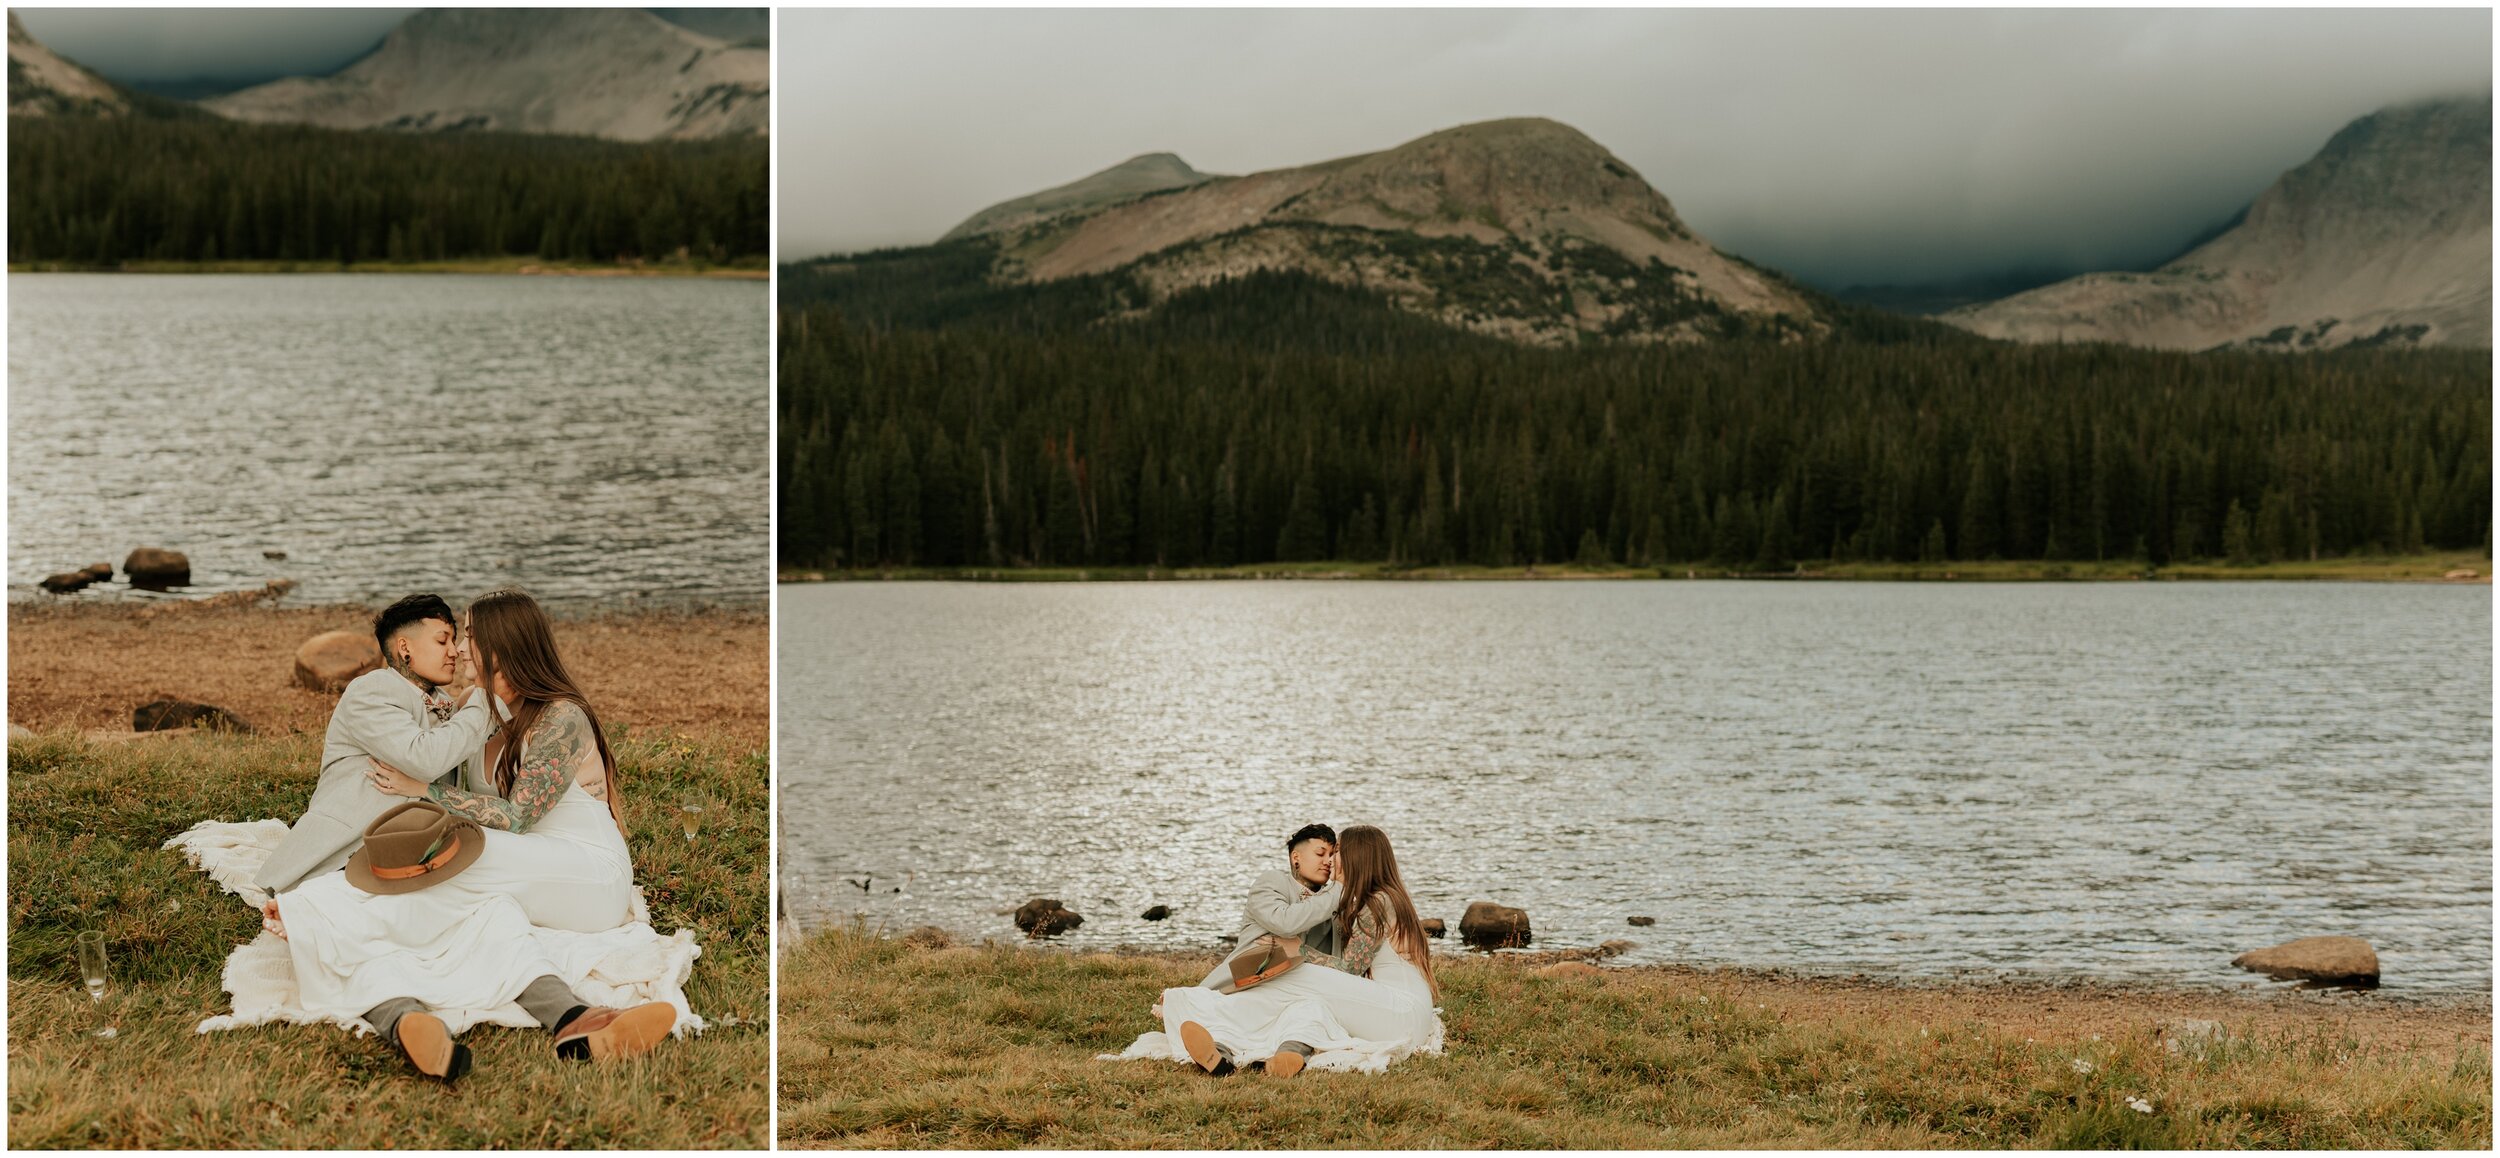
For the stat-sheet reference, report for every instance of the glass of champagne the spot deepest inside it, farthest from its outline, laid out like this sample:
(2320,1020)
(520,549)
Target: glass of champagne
(91,967)
(690,817)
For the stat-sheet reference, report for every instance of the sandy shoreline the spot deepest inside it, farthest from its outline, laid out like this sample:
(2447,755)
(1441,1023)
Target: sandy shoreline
(85,666)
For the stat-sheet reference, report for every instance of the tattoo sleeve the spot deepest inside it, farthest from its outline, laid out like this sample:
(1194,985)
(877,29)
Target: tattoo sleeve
(1362,943)
(554,746)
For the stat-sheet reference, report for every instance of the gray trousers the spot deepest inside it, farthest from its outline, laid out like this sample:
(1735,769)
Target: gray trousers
(547,1000)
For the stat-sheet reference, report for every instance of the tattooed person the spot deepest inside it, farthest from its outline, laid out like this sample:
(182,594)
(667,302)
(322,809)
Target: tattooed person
(400,713)
(470,897)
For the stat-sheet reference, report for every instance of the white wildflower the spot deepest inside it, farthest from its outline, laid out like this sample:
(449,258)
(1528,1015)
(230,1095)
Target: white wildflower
(2139,1105)
(2082,1066)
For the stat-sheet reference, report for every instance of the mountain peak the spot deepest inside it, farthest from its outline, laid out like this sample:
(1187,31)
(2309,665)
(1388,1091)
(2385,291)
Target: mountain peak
(42,83)
(2383,236)
(1130,179)
(620,73)
(1523,228)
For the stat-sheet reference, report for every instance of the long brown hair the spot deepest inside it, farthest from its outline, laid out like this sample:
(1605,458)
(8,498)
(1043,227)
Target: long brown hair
(510,635)
(1372,883)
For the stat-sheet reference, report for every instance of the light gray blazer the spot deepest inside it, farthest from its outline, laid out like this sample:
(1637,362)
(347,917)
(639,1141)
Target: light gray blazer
(1278,906)
(380,715)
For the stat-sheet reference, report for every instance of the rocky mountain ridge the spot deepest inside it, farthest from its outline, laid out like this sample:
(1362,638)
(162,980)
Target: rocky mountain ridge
(2382,238)
(1523,229)
(618,73)
(42,83)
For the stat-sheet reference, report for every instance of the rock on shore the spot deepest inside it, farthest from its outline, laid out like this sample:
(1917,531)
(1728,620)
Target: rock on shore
(327,661)
(2326,960)
(169,715)
(1043,917)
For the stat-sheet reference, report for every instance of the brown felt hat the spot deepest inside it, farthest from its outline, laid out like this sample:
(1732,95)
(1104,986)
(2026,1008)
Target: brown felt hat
(414,846)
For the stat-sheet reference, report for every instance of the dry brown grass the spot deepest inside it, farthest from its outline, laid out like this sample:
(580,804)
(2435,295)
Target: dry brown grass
(86,665)
(884,1045)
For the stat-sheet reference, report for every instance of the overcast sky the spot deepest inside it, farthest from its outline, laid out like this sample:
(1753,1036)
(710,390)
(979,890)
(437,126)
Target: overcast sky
(1843,146)
(150,46)
(141,45)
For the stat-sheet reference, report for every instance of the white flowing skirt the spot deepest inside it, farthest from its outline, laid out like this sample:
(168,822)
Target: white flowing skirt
(1350,1022)
(552,900)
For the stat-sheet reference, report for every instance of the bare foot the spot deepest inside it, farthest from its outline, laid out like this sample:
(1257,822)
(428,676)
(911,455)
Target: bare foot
(270,920)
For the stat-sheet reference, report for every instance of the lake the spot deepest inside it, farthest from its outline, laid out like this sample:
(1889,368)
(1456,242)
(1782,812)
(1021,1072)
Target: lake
(595,440)
(2122,781)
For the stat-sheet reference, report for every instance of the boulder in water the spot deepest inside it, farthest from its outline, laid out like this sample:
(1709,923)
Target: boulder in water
(1436,928)
(1042,917)
(1490,926)
(157,569)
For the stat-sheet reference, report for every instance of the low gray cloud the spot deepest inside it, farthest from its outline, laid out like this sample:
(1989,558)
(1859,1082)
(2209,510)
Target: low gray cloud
(1844,146)
(148,46)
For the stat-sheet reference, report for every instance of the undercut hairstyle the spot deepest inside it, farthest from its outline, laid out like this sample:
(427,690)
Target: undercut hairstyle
(413,609)
(1310,832)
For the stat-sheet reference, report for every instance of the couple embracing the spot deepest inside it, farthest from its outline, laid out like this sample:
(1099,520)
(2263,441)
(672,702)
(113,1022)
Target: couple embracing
(1332,970)
(460,853)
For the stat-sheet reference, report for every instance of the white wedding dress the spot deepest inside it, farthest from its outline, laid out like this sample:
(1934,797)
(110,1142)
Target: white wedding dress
(1350,1022)
(552,900)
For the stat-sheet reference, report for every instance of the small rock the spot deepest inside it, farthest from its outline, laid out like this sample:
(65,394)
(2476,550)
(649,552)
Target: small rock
(1436,928)
(2463,573)
(1571,969)
(66,582)
(2345,961)
(1041,917)
(1640,922)
(21,732)
(1615,948)
(1490,926)
(1157,913)
(327,661)
(157,569)
(100,571)
(168,715)
(274,556)
(928,937)
(2190,1036)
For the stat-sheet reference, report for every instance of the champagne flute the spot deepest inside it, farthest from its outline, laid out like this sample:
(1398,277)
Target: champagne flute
(690,817)
(91,967)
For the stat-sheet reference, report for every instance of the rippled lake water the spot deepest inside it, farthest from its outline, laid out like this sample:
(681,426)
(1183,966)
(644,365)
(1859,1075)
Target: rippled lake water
(2121,781)
(592,439)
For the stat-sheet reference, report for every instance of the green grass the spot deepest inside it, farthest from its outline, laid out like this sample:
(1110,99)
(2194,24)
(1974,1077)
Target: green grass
(2389,568)
(886,1046)
(86,820)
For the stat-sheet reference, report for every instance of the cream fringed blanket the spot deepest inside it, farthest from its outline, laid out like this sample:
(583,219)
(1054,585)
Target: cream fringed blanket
(626,966)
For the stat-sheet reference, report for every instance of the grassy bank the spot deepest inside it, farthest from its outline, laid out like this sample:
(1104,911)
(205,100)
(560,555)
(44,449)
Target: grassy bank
(84,665)
(884,1045)
(86,819)
(749,270)
(2436,567)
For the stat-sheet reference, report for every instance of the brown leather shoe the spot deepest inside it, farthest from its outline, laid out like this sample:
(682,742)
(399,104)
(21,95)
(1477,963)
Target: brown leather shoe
(1285,1064)
(429,1046)
(1202,1049)
(606,1034)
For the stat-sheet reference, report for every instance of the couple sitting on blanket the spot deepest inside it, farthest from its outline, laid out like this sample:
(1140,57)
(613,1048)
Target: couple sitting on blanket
(1331,970)
(457,848)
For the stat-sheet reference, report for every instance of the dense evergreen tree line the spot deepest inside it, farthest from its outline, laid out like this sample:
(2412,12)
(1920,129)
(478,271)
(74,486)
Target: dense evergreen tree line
(1276,418)
(97,191)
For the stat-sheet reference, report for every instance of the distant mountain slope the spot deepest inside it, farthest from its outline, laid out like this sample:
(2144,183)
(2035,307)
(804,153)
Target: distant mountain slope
(41,83)
(619,73)
(1132,178)
(2384,237)
(1522,229)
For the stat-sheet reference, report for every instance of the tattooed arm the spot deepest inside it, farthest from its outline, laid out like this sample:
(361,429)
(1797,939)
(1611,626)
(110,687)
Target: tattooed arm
(1362,943)
(557,744)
